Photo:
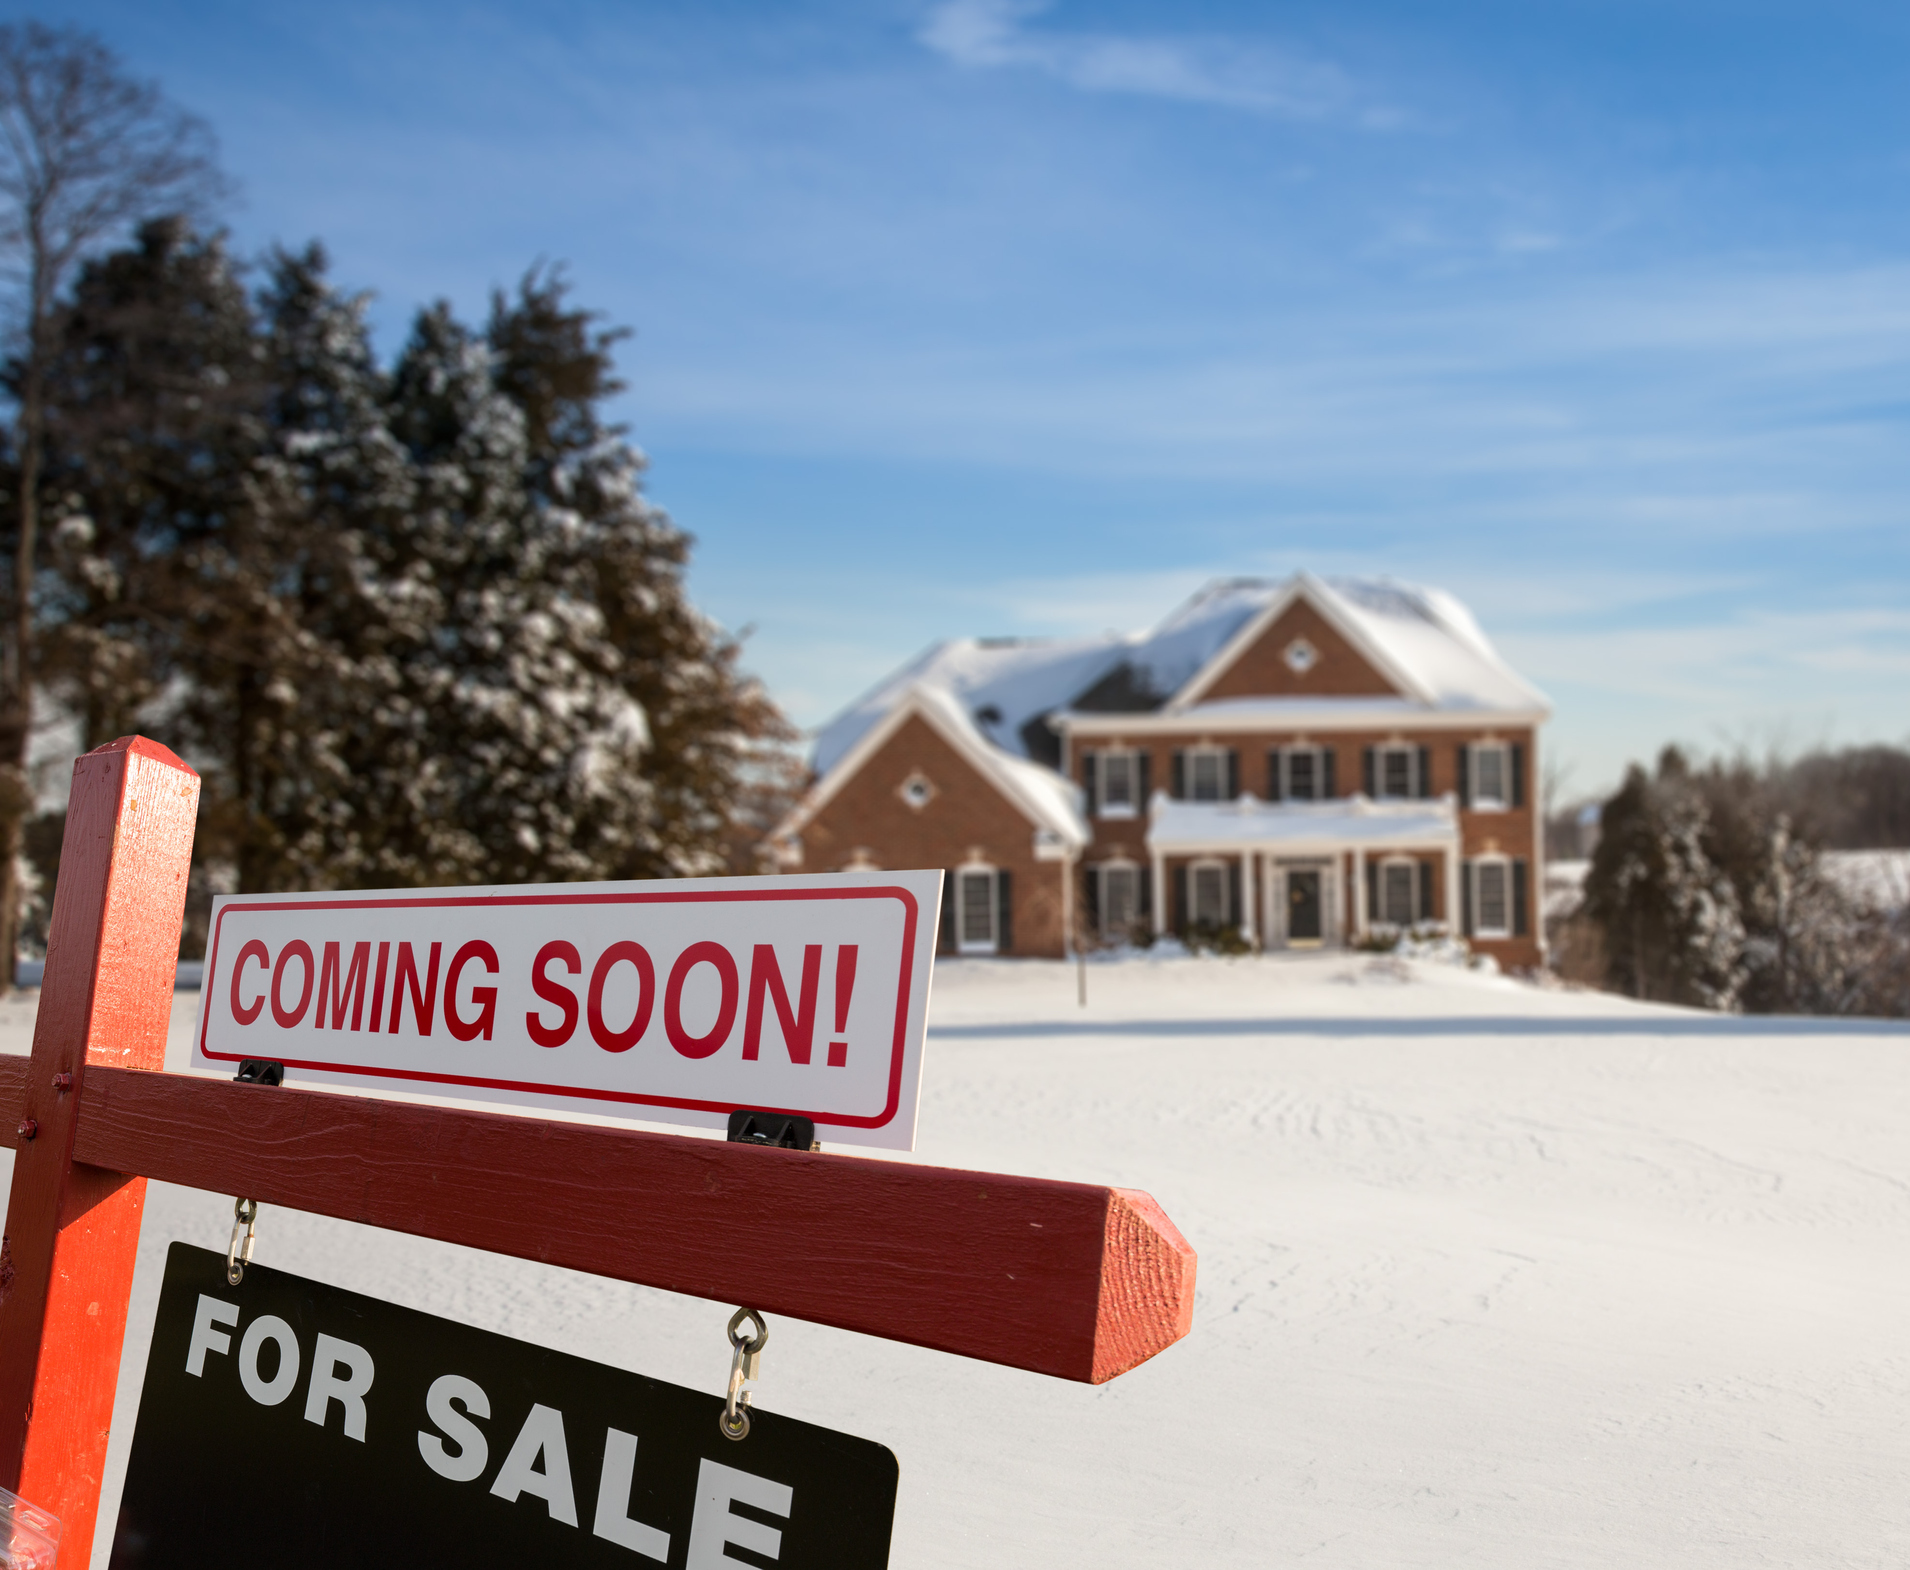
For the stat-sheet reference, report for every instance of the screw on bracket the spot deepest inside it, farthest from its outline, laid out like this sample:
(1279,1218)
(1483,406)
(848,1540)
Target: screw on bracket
(28,1128)
(62,1082)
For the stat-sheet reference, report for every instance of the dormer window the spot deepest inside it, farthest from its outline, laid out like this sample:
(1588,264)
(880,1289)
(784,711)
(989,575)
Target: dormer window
(1300,656)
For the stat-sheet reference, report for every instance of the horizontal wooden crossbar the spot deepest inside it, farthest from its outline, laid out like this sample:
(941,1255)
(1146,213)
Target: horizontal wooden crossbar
(1060,1278)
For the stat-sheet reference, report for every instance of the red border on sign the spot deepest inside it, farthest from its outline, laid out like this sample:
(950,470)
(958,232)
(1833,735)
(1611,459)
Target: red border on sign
(910,915)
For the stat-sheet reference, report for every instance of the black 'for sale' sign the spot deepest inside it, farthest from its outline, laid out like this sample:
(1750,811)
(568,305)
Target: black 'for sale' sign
(287,1423)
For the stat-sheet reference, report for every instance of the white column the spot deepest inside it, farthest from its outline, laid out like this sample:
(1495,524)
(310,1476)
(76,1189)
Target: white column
(1068,943)
(1359,892)
(1159,894)
(1452,888)
(1249,897)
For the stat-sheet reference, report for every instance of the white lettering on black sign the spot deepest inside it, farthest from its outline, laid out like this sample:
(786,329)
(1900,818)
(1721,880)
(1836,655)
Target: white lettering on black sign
(419,1441)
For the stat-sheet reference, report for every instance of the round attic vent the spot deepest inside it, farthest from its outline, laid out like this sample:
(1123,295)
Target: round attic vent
(1301,656)
(917,791)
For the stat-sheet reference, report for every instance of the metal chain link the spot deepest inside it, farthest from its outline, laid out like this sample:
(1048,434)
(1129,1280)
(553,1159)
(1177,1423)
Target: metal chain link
(745,1360)
(237,1257)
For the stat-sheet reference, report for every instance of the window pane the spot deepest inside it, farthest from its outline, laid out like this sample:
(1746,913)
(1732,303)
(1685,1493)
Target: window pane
(1206,781)
(1210,895)
(1119,888)
(1117,779)
(1492,913)
(1396,894)
(1301,773)
(978,907)
(1396,772)
(1491,762)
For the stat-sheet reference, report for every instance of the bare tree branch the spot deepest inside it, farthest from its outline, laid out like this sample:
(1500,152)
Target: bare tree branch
(86,151)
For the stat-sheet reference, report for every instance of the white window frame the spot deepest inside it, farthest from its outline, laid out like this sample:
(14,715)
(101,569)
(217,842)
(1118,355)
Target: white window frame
(1287,755)
(1380,792)
(1221,870)
(1191,768)
(1481,802)
(1475,873)
(1131,808)
(963,943)
(1384,916)
(1110,929)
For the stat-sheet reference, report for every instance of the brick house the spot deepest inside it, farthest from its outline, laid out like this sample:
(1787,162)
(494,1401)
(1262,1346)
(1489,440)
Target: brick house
(1305,762)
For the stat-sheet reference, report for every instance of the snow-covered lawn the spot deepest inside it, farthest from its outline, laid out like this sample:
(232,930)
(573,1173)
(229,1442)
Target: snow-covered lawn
(1489,1276)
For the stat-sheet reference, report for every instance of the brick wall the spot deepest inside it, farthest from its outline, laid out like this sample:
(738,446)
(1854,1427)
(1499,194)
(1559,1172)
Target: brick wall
(868,822)
(1262,671)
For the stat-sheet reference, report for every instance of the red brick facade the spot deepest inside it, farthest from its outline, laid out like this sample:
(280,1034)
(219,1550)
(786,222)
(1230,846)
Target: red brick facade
(962,820)
(1382,755)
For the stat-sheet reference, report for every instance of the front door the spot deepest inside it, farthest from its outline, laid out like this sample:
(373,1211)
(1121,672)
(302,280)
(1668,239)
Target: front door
(1305,916)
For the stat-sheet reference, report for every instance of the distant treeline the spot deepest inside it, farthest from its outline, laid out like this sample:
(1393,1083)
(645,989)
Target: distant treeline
(1856,799)
(1707,887)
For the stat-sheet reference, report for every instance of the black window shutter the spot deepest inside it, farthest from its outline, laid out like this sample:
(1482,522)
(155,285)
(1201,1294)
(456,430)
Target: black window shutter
(1233,894)
(1369,767)
(1143,777)
(1088,781)
(1144,878)
(1463,757)
(1425,891)
(1425,773)
(1091,898)
(1465,898)
(1178,788)
(945,939)
(1518,774)
(1521,919)
(1327,785)
(1372,892)
(1233,773)
(1005,912)
(1180,897)
(1274,793)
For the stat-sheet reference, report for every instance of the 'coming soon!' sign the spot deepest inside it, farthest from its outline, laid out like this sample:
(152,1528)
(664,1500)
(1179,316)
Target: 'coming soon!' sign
(677,1001)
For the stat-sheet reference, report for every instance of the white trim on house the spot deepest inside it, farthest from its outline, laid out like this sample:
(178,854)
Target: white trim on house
(1274,716)
(1502,864)
(990,913)
(1294,828)
(1481,802)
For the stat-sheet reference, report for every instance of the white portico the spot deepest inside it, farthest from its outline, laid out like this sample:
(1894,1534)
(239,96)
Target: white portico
(1300,873)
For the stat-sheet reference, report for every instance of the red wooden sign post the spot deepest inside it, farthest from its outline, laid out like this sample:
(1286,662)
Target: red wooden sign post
(1060,1278)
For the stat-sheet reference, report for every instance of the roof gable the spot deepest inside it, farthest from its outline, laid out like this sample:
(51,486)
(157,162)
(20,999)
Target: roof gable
(1045,798)
(1302,644)
(1296,653)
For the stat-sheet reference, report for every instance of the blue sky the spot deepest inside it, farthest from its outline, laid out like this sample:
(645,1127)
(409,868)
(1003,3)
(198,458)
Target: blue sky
(984,317)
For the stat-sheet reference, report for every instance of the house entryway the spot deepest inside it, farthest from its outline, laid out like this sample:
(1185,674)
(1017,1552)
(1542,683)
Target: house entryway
(1306,920)
(1302,895)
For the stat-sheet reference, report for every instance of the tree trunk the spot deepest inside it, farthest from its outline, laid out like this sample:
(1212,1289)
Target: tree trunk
(16,701)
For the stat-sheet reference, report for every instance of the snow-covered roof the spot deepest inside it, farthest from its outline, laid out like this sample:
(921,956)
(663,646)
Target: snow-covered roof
(1423,639)
(1051,802)
(1008,688)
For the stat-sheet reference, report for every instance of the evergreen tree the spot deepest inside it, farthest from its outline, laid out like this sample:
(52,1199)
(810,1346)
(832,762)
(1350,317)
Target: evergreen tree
(418,627)
(1670,915)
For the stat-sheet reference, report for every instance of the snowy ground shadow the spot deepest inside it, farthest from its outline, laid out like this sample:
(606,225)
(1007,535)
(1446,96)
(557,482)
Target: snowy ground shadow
(1459,1025)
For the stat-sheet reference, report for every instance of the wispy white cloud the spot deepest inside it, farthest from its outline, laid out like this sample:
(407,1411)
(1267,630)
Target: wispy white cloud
(1229,72)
